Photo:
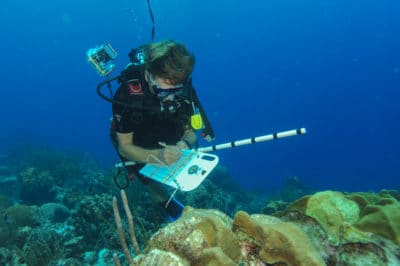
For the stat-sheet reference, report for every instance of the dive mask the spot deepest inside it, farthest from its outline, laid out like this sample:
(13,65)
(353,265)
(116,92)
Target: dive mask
(169,97)
(164,93)
(168,94)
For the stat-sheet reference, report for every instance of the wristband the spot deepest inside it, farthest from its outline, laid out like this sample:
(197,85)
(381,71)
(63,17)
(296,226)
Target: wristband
(187,143)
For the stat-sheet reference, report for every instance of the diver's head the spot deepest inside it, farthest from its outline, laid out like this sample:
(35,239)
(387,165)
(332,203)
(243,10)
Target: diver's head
(168,66)
(169,61)
(169,95)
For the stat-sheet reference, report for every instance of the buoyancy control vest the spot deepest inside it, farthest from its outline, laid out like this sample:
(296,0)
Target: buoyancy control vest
(141,99)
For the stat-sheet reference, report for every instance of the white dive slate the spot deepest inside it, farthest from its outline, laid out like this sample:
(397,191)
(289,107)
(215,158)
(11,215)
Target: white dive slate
(186,174)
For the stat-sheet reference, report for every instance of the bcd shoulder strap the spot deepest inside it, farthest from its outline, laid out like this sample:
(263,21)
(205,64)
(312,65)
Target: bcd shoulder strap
(207,132)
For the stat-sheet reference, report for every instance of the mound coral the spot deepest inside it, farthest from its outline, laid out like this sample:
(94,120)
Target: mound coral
(195,232)
(21,215)
(332,209)
(279,242)
(382,220)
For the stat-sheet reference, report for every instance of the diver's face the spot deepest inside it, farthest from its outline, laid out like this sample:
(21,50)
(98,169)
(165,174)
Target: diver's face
(160,83)
(162,87)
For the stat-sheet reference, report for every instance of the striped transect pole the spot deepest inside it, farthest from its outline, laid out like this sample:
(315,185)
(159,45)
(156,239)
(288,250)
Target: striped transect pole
(253,140)
(279,135)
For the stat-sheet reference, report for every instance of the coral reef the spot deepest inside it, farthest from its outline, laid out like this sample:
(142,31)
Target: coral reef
(6,232)
(219,192)
(160,257)
(196,231)
(94,222)
(293,188)
(21,215)
(346,216)
(276,241)
(74,223)
(5,202)
(381,218)
(41,247)
(362,253)
(8,183)
(37,187)
(274,206)
(10,257)
(52,213)
(303,234)
(332,210)
(32,246)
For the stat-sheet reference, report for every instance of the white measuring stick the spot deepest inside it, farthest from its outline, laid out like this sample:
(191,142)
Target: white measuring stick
(253,140)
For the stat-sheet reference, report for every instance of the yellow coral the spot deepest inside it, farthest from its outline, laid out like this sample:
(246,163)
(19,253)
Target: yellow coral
(332,210)
(280,242)
(382,220)
(215,256)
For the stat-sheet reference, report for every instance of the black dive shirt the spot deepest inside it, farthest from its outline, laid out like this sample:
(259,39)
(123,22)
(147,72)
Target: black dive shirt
(149,127)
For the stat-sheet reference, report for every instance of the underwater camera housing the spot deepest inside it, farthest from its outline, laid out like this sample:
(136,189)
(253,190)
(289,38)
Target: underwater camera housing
(101,58)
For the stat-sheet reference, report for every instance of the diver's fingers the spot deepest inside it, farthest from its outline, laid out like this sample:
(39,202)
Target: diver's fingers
(171,154)
(170,149)
(173,150)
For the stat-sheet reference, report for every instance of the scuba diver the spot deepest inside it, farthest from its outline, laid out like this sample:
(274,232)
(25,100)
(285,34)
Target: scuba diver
(155,113)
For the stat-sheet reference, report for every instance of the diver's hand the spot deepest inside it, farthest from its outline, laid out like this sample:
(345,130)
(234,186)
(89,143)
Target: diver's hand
(170,153)
(182,145)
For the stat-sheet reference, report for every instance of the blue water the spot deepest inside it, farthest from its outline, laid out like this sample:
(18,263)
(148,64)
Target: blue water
(262,66)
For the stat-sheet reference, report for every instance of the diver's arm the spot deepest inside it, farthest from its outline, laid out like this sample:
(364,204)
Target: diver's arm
(126,148)
(188,136)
